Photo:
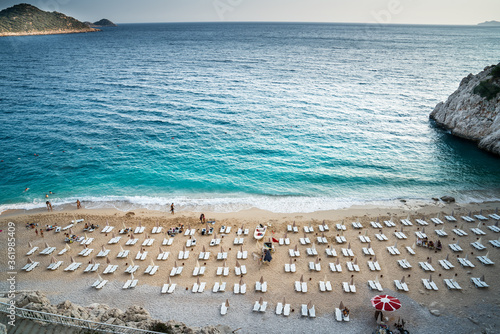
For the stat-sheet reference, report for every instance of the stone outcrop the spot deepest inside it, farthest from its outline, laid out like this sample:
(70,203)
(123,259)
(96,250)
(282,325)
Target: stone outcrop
(134,316)
(468,115)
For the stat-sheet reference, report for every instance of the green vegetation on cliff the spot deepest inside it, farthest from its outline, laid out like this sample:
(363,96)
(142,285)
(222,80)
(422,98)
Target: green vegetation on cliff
(489,88)
(28,19)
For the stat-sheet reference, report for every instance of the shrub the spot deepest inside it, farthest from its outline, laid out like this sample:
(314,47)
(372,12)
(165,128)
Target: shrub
(495,72)
(160,327)
(487,90)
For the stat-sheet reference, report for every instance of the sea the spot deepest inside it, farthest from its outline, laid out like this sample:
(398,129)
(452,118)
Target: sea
(285,117)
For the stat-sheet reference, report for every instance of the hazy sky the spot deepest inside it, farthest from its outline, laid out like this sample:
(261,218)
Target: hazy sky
(366,11)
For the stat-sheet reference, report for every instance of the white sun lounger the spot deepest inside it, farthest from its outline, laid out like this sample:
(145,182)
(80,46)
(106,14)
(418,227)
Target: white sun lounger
(31,251)
(406,222)
(293,253)
(242,255)
(55,265)
(131,269)
(441,233)
(393,250)
(451,284)
(421,222)
(455,247)
(477,245)
(48,251)
(381,237)
(374,285)
(495,216)
(131,242)
(464,262)
(355,225)
(331,252)
(163,256)
(139,229)
(376,225)
(103,253)
(364,239)
(401,286)
(450,218)
(459,232)
(446,264)
(167,242)
(400,235)
(495,243)
(341,227)
(123,254)
(204,256)
(479,283)
(477,231)
(340,239)
(485,260)
(404,264)
(347,252)
(389,223)
(311,251)
(437,221)
(368,251)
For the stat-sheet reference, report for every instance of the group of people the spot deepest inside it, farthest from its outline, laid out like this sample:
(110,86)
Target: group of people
(174,230)
(425,242)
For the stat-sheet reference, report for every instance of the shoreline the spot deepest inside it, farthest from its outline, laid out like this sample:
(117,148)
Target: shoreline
(48,32)
(201,309)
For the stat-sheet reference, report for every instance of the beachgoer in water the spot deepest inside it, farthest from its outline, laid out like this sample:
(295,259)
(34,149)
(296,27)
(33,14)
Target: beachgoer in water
(26,189)
(172,208)
(78,204)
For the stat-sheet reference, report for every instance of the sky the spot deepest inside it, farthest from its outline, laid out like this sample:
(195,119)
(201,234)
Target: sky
(454,12)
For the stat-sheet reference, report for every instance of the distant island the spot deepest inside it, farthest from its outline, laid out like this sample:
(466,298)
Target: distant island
(489,24)
(100,23)
(25,19)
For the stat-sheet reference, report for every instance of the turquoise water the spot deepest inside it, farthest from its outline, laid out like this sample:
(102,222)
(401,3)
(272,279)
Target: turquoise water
(227,116)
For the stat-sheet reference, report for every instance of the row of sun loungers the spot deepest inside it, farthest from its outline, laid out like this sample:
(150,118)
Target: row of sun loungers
(110,269)
(167,242)
(48,250)
(73,266)
(130,284)
(426,266)
(308,310)
(107,229)
(99,284)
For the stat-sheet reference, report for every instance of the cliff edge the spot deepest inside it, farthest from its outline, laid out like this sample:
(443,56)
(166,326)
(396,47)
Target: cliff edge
(473,110)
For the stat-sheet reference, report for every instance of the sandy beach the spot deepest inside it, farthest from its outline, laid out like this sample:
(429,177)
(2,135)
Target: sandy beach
(469,310)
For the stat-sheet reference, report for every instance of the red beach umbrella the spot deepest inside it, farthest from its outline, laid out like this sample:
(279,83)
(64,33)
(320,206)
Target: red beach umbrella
(385,303)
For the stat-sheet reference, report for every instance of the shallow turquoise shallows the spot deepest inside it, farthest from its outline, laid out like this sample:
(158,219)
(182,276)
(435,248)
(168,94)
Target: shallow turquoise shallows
(228,116)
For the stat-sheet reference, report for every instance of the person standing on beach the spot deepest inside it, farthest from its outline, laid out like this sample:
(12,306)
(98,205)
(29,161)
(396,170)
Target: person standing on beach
(78,204)
(36,231)
(172,208)
(41,232)
(49,206)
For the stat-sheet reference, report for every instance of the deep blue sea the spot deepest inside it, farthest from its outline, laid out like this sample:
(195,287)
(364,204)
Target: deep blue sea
(227,116)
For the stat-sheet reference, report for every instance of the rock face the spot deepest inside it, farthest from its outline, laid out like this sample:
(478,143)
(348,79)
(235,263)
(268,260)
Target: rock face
(469,115)
(134,316)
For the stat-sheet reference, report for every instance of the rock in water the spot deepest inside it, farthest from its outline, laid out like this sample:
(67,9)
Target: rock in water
(448,199)
(473,110)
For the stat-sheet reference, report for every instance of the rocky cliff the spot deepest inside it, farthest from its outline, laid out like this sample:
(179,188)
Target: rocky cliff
(473,110)
(134,316)
(25,19)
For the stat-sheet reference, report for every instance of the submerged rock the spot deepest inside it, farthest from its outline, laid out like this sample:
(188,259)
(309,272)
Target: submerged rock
(473,110)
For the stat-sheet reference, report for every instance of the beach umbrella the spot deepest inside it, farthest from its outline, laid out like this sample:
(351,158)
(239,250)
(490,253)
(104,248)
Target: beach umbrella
(47,245)
(341,305)
(224,264)
(30,260)
(30,245)
(108,261)
(261,300)
(227,302)
(349,245)
(237,264)
(72,260)
(385,303)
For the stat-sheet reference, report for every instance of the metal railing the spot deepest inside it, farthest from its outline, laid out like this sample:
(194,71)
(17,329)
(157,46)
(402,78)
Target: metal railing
(72,322)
